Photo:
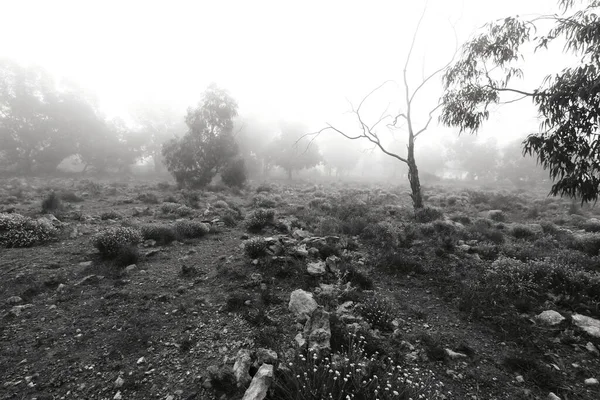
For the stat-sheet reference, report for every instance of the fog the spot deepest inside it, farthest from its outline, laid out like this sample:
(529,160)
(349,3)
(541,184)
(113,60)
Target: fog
(144,63)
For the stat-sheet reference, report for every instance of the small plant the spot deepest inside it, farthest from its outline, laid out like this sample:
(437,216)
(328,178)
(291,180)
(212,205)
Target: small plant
(19,231)
(126,255)
(176,209)
(162,233)
(52,204)
(255,247)
(497,216)
(70,196)
(191,229)
(259,219)
(378,312)
(229,219)
(264,187)
(428,214)
(110,215)
(520,231)
(148,198)
(221,204)
(234,173)
(263,201)
(111,241)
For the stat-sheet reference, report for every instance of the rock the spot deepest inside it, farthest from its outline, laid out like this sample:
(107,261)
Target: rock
(14,300)
(327,290)
(130,268)
(300,251)
(318,331)
(464,247)
(119,382)
(118,396)
(333,264)
(316,268)
(90,280)
(260,383)
(552,396)
(141,360)
(550,317)
(591,382)
(301,234)
(592,349)
(588,324)
(520,379)
(241,368)
(454,355)
(344,308)
(85,264)
(188,270)
(16,311)
(302,304)
(300,340)
(266,356)
(152,252)
(61,288)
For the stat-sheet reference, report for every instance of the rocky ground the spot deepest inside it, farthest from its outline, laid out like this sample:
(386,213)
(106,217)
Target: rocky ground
(489,295)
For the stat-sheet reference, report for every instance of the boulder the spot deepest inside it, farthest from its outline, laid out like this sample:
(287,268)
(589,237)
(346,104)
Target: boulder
(588,324)
(266,356)
(333,264)
(301,234)
(550,317)
(260,383)
(302,304)
(318,331)
(12,300)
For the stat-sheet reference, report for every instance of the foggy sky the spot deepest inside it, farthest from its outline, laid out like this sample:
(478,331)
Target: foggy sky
(297,60)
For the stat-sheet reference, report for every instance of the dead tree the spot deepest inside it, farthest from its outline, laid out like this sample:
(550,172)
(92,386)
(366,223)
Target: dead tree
(369,131)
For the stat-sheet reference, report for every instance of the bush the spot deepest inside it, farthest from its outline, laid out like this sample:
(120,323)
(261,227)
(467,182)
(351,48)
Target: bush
(162,233)
(148,198)
(126,255)
(483,230)
(520,231)
(383,235)
(19,231)
(221,204)
(110,215)
(176,209)
(112,241)
(378,312)
(264,187)
(592,225)
(259,219)
(263,202)
(234,173)
(255,247)
(191,229)
(428,214)
(587,243)
(70,196)
(52,203)
(497,216)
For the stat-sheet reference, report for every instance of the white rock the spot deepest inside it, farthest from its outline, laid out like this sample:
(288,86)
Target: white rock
(316,268)
(588,324)
(118,396)
(520,379)
(260,383)
(241,368)
(550,317)
(552,396)
(454,355)
(591,382)
(302,304)
(119,382)
(141,360)
(592,349)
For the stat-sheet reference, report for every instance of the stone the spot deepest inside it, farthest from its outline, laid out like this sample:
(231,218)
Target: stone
(241,368)
(118,396)
(327,290)
(592,349)
(260,383)
(152,252)
(16,311)
(302,304)
(520,379)
(316,268)
(14,300)
(130,268)
(266,356)
(588,324)
(333,264)
(591,382)
(90,280)
(454,355)
(61,288)
(300,341)
(301,234)
(141,360)
(119,382)
(85,264)
(300,251)
(552,396)
(318,331)
(550,317)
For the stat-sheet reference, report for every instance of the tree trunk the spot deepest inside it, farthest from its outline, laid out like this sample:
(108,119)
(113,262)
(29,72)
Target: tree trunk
(413,175)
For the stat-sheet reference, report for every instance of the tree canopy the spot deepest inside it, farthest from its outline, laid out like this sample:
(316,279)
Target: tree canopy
(568,103)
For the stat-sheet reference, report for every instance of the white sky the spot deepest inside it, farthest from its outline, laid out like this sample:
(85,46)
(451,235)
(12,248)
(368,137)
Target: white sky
(298,60)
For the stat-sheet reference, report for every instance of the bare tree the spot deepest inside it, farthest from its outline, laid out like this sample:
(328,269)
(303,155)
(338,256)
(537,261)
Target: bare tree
(402,120)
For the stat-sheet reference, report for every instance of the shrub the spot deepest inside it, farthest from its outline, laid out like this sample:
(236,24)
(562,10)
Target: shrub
(520,231)
(264,187)
(51,203)
(126,255)
(111,241)
(378,312)
(587,243)
(70,196)
(220,204)
(483,230)
(592,225)
(191,229)
(148,198)
(19,231)
(259,219)
(255,247)
(329,226)
(383,235)
(263,201)
(176,209)
(497,216)
(234,173)
(428,214)
(110,215)
(162,233)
